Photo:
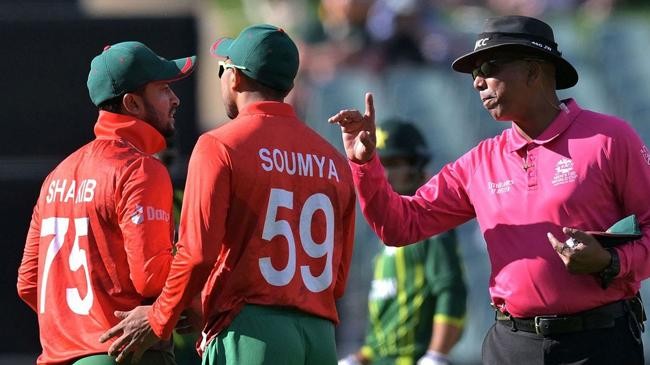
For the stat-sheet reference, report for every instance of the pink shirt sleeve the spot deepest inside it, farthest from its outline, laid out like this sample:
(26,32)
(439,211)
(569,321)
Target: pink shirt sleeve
(630,170)
(440,204)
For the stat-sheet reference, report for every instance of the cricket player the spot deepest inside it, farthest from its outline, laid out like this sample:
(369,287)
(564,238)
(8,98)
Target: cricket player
(417,300)
(100,238)
(267,224)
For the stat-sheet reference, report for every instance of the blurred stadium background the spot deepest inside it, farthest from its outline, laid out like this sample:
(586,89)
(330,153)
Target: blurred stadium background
(401,50)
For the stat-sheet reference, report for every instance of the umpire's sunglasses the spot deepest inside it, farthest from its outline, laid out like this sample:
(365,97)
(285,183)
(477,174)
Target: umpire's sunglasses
(223,66)
(490,68)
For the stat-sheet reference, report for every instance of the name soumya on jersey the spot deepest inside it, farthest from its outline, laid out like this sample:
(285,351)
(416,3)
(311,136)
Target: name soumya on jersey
(267,219)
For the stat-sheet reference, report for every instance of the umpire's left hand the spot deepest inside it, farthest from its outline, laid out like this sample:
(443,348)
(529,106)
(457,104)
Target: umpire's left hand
(587,256)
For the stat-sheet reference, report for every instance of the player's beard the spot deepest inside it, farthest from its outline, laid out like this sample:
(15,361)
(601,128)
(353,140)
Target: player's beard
(162,124)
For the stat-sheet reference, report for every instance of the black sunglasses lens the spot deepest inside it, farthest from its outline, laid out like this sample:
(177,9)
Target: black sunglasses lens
(486,69)
(221,70)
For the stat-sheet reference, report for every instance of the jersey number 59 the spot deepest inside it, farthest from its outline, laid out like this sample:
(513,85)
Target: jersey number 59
(279,227)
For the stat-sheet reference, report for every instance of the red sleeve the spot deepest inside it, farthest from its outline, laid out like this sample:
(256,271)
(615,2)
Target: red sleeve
(144,208)
(28,271)
(348,246)
(203,217)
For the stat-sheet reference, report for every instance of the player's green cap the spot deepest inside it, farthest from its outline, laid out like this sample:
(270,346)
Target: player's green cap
(125,66)
(397,138)
(264,53)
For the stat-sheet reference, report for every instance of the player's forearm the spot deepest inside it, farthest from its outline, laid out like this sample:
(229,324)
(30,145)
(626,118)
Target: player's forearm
(445,336)
(186,278)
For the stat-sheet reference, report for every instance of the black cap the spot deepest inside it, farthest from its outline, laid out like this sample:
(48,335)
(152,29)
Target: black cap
(522,34)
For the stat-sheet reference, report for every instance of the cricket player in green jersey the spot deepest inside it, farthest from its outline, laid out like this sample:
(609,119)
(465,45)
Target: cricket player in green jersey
(417,300)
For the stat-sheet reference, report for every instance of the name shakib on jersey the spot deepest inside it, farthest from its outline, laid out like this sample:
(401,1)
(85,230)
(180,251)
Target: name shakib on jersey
(65,190)
(297,163)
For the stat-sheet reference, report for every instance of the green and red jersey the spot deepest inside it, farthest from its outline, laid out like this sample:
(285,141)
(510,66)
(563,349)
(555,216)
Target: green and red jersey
(267,219)
(99,239)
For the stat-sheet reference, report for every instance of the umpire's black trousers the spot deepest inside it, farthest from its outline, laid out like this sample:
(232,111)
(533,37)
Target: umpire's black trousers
(620,344)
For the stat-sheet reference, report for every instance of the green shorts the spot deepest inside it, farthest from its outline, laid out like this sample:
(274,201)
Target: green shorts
(148,358)
(263,335)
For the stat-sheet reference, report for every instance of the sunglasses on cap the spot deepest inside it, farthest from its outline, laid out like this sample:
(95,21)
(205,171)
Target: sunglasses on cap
(223,66)
(490,68)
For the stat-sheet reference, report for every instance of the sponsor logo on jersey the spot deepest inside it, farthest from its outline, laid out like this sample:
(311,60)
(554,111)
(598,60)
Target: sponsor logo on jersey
(138,216)
(564,172)
(500,187)
(142,213)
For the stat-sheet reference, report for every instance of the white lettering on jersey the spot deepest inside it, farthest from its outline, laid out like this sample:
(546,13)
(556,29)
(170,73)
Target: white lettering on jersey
(500,187)
(59,191)
(333,172)
(297,163)
(152,214)
(564,172)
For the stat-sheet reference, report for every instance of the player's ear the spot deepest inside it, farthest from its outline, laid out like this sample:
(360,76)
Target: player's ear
(132,104)
(236,80)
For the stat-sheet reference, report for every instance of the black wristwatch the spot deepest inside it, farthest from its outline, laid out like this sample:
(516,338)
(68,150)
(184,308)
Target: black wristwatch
(609,273)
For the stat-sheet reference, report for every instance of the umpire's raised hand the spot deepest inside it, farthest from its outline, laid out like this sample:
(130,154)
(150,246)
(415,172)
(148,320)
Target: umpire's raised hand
(358,131)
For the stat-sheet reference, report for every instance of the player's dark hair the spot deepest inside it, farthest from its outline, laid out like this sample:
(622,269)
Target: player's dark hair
(268,92)
(114,105)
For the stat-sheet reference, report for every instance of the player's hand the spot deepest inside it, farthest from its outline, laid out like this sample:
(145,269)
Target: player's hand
(433,358)
(587,256)
(137,335)
(358,131)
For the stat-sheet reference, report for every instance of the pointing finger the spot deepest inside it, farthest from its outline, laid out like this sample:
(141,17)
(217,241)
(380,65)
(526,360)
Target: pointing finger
(370,107)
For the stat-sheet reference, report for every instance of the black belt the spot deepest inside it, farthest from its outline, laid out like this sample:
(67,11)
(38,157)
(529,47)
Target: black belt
(597,318)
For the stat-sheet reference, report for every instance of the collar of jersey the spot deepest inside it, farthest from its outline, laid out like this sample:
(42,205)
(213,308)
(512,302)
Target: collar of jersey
(138,133)
(569,112)
(268,107)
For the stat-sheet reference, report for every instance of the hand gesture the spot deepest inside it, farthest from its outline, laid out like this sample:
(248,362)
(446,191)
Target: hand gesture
(581,253)
(137,335)
(358,131)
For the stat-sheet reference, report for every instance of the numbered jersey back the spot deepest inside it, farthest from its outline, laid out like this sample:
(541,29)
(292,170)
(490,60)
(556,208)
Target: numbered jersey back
(84,216)
(290,220)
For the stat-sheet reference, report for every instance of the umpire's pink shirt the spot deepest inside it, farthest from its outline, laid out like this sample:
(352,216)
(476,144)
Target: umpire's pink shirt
(587,170)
